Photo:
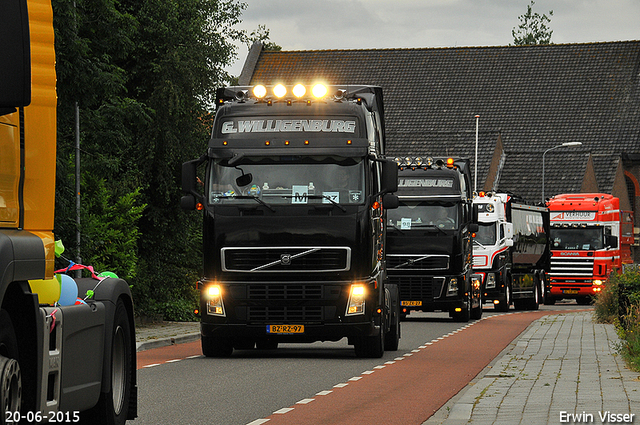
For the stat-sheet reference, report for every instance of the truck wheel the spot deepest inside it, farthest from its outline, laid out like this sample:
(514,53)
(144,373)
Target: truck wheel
(503,305)
(583,300)
(476,312)
(216,347)
(11,382)
(465,314)
(10,375)
(531,303)
(392,338)
(113,406)
(370,346)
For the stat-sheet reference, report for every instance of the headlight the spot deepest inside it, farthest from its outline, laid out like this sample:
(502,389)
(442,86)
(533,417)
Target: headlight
(452,287)
(356,300)
(491,281)
(476,280)
(215,306)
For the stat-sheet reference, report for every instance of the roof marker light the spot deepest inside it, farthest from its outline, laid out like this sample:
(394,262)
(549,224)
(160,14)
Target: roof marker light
(259,91)
(319,91)
(279,91)
(299,90)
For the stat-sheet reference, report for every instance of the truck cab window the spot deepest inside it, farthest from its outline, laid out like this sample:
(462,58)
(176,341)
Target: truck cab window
(419,214)
(577,238)
(486,234)
(287,180)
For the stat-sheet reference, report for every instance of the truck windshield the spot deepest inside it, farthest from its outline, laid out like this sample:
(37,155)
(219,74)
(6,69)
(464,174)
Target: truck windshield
(411,215)
(486,234)
(287,180)
(577,238)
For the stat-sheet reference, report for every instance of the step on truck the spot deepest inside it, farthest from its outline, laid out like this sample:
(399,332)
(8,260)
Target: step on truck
(429,235)
(294,195)
(591,237)
(58,363)
(511,251)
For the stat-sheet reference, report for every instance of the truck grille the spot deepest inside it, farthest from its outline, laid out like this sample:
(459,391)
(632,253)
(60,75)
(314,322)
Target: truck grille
(571,267)
(418,262)
(414,288)
(285,314)
(284,292)
(286,259)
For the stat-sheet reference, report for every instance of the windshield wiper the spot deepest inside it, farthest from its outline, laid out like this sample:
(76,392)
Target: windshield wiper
(328,198)
(429,226)
(482,246)
(258,200)
(394,227)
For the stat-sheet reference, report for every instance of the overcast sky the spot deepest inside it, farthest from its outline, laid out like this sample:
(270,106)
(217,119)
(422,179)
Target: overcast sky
(379,24)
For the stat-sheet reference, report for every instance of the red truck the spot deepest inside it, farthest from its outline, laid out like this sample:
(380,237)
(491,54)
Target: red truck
(590,238)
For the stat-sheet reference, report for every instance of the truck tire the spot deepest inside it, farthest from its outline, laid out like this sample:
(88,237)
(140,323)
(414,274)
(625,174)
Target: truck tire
(476,312)
(371,347)
(534,304)
(216,347)
(503,306)
(10,375)
(465,314)
(113,406)
(392,338)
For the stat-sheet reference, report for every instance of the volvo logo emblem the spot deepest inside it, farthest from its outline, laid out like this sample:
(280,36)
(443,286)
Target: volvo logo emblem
(285,259)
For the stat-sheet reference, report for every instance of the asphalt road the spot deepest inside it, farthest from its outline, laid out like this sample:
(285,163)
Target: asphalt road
(178,385)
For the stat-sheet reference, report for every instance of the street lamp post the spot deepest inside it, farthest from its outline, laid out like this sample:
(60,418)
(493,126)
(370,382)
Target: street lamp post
(550,149)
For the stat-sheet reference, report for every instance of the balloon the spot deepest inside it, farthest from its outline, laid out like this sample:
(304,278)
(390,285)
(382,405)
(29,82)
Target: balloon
(108,274)
(48,290)
(59,248)
(80,301)
(68,290)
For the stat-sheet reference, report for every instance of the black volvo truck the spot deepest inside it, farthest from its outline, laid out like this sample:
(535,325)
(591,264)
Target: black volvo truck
(429,238)
(294,190)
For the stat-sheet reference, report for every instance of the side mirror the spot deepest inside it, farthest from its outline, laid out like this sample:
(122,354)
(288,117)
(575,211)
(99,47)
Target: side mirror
(390,201)
(389,176)
(508,230)
(189,176)
(15,66)
(508,242)
(474,214)
(188,202)
(474,227)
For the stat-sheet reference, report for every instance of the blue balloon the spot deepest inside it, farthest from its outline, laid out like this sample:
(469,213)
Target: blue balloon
(68,290)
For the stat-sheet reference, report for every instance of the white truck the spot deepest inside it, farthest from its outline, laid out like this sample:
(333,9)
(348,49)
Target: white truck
(511,251)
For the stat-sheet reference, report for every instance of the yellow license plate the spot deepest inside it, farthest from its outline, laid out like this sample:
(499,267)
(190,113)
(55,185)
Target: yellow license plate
(285,329)
(411,303)
(570,291)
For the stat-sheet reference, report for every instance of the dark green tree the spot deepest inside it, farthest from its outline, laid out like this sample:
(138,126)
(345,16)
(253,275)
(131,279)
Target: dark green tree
(533,28)
(143,74)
